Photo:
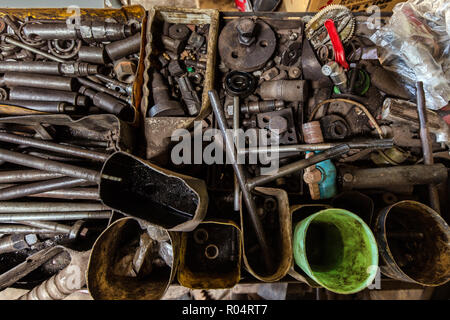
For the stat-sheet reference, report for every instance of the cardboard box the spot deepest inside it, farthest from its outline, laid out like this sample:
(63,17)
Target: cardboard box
(354,5)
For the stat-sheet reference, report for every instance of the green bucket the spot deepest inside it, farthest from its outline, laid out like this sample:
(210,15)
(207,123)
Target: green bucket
(337,250)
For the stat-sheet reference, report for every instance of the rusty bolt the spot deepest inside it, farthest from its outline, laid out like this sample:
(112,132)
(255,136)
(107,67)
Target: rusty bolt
(246,28)
(348,177)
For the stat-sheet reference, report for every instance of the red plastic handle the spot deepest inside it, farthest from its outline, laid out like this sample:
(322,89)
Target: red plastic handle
(339,53)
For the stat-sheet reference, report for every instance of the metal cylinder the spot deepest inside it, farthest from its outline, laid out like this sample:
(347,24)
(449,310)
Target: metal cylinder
(88,30)
(110,104)
(32,49)
(54,147)
(337,74)
(379,178)
(66,193)
(262,106)
(49,67)
(15,242)
(21,230)
(18,79)
(49,165)
(122,48)
(286,90)
(42,106)
(92,54)
(96,86)
(40,207)
(312,132)
(26,176)
(39,94)
(20,191)
(54,216)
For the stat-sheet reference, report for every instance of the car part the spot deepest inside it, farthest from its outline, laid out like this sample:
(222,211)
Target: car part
(16,242)
(337,74)
(39,94)
(120,49)
(379,178)
(43,106)
(237,50)
(18,79)
(54,216)
(240,84)
(125,70)
(422,261)
(92,54)
(49,67)
(315,29)
(335,127)
(262,106)
(179,32)
(163,106)
(189,95)
(286,90)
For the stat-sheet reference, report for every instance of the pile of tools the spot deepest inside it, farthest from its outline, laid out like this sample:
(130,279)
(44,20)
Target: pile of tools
(76,66)
(177,79)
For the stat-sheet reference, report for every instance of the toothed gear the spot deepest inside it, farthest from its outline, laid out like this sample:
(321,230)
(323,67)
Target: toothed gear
(316,32)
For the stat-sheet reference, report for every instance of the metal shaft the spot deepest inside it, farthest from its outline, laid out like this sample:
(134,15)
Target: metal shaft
(20,191)
(32,49)
(47,207)
(237,190)
(96,86)
(18,79)
(363,144)
(298,165)
(49,165)
(42,106)
(54,216)
(70,194)
(26,176)
(240,174)
(426,143)
(54,147)
(21,230)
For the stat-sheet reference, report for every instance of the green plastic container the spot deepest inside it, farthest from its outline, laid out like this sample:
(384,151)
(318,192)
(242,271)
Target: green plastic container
(337,250)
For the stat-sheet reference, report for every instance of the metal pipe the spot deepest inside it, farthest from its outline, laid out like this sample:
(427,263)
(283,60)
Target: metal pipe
(49,165)
(72,194)
(240,174)
(50,226)
(54,147)
(15,241)
(26,176)
(122,48)
(298,165)
(48,207)
(49,67)
(54,216)
(19,191)
(39,94)
(22,230)
(426,143)
(41,106)
(96,86)
(363,144)
(237,190)
(17,79)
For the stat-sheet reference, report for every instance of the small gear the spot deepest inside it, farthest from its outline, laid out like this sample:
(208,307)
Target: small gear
(316,32)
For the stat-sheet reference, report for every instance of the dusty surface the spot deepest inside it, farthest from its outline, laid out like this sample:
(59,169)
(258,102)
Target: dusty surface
(147,4)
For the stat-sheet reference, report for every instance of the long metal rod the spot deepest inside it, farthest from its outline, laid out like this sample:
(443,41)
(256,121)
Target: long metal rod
(363,144)
(31,263)
(27,207)
(49,165)
(298,165)
(19,191)
(237,189)
(14,176)
(70,194)
(54,216)
(20,229)
(54,147)
(426,144)
(22,45)
(240,174)
(52,227)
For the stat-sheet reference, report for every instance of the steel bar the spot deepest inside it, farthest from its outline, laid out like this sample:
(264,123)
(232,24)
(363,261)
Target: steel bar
(240,174)
(298,165)
(41,106)
(363,144)
(49,165)
(70,194)
(49,67)
(237,190)
(18,79)
(32,49)
(426,143)
(96,86)
(54,147)
(19,191)
(49,226)
(20,229)
(31,263)
(39,94)
(54,216)
(41,207)
(26,176)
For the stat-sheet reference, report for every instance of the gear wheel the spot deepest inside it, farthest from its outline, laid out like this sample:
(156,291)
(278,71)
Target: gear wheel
(316,32)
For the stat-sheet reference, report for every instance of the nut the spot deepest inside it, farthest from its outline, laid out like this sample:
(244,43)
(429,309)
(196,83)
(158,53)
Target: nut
(125,70)
(246,28)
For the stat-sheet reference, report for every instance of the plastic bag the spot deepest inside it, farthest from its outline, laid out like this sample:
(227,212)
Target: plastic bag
(415,43)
